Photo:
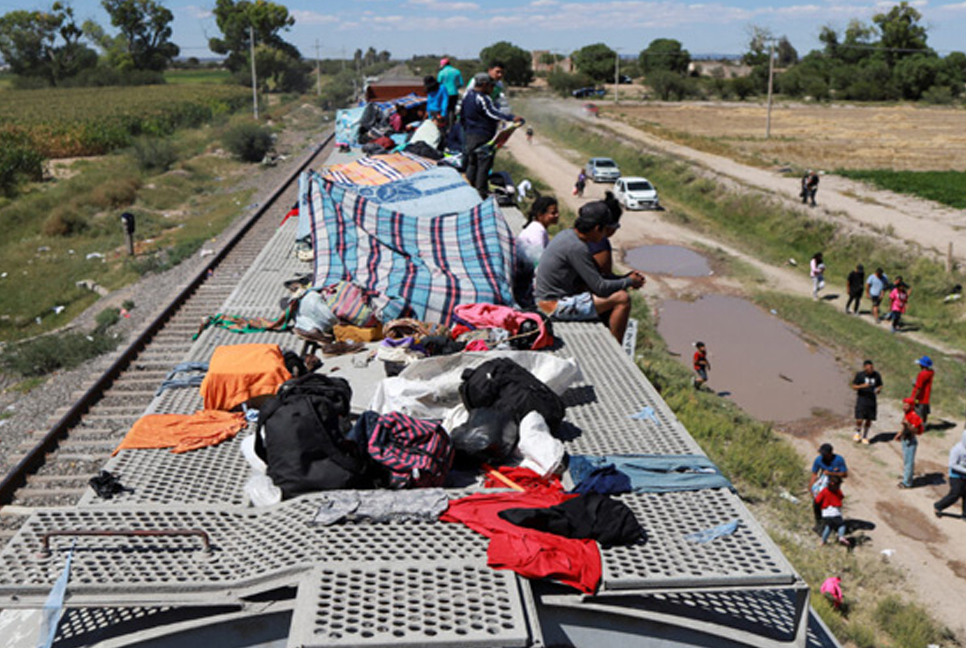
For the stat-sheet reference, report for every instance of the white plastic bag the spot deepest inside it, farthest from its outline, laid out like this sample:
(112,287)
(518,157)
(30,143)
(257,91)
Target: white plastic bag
(541,452)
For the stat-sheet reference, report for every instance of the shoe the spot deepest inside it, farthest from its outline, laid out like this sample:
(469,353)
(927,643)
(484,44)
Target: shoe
(865,441)
(845,541)
(342,348)
(903,486)
(938,513)
(856,437)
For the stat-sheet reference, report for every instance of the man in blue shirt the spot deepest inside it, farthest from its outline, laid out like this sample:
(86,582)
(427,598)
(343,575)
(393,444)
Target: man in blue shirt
(875,287)
(480,120)
(826,464)
(452,80)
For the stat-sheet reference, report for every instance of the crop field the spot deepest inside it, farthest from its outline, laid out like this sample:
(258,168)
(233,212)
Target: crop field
(839,136)
(946,187)
(196,77)
(91,121)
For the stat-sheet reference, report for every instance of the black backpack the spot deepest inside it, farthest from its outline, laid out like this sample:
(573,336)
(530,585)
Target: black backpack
(504,385)
(300,436)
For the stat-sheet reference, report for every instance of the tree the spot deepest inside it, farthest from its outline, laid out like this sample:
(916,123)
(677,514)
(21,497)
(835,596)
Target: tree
(146,28)
(787,55)
(901,33)
(518,62)
(669,85)
(597,61)
(665,54)
(44,44)
(234,18)
(758,42)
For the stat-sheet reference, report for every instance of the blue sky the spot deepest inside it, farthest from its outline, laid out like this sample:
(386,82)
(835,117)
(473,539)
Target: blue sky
(463,28)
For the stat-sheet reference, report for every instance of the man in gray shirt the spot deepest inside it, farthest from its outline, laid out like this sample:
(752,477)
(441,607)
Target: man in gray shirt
(569,285)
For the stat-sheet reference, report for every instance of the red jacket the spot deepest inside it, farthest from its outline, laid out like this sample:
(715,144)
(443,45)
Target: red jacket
(923,387)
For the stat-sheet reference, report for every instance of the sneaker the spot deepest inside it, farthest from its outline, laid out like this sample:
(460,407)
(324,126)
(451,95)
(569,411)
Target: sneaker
(938,513)
(865,441)
(903,485)
(856,437)
(844,541)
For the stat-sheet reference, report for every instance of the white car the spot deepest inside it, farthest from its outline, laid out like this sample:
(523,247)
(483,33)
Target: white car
(602,170)
(636,193)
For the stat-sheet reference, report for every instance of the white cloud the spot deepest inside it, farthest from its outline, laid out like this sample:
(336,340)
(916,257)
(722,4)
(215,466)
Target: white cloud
(441,5)
(304,17)
(199,13)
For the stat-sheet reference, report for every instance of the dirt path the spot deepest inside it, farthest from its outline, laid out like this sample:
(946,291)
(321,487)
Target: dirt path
(928,550)
(920,222)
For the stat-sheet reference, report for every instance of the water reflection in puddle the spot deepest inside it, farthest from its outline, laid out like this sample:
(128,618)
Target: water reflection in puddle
(671,260)
(768,370)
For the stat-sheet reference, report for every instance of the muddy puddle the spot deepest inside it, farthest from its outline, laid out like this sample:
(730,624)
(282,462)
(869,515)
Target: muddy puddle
(757,360)
(672,260)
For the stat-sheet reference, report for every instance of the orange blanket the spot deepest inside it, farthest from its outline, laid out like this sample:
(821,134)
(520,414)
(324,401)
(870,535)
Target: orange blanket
(183,432)
(239,372)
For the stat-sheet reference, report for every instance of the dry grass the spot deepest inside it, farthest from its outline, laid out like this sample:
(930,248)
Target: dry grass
(901,137)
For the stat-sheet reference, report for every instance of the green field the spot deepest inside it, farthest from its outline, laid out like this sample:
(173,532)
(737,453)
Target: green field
(196,77)
(945,187)
(91,121)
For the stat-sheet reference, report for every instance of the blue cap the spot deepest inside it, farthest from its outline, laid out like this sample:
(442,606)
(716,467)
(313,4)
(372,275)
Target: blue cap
(925,361)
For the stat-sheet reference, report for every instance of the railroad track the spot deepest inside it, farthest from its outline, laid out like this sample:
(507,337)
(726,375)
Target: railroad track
(53,467)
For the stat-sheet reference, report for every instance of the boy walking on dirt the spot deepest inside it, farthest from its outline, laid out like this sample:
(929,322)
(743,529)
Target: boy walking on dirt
(922,388)
(909,436)
(701,364)
(867,385)
(875,286)
(957,478)
(856,281)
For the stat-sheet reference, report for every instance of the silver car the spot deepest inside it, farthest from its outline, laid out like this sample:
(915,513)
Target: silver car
(601,169)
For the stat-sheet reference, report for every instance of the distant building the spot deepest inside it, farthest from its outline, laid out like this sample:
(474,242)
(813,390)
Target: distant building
(540,62)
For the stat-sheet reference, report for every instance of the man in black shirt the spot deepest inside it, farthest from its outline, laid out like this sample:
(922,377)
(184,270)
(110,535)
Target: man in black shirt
(856,282)
(867,384)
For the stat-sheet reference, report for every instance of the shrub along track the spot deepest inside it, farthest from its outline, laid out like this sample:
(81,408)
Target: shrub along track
(52,468)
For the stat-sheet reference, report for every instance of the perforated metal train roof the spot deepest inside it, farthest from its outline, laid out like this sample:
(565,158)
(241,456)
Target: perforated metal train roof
(390,581)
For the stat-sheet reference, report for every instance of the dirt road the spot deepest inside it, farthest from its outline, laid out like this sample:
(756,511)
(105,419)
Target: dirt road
(928,550)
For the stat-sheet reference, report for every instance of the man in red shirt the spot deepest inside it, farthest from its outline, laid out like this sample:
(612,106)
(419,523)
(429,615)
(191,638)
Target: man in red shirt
(922,388)
(701,365)
(909,435)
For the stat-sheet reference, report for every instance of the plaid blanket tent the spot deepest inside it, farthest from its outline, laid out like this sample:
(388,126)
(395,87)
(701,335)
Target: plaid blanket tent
(410,266)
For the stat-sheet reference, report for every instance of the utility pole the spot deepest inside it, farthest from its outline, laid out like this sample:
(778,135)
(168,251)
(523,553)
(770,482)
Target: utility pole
(617,75)
(318,71)
(251,49)
(771,77)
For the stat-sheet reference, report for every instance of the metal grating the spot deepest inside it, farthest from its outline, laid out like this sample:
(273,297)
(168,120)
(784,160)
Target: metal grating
(452,603)
(249,549)
(668,560)
(215,475)
(614,390)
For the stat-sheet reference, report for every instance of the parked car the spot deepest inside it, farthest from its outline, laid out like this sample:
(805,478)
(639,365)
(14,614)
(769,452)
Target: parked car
(624,79)
(602,170)
(636,193)
(589,91)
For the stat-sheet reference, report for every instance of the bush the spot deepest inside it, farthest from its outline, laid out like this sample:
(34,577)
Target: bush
(65,221)
(249,141)
(938,95)
(19,161)
(107,318)
(41,356)
(117,192)
(154,153)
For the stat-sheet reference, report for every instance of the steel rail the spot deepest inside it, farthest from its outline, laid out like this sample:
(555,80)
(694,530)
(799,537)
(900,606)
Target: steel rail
(36,457)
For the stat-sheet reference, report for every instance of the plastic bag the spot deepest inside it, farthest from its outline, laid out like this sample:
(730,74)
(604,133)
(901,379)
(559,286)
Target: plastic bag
(541,452)
(487,435)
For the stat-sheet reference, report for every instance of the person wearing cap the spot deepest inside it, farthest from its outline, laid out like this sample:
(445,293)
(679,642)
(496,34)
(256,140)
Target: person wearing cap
(451,80)
(909,436)
(827,464)
(922,388)
(480,122)
(898,299)
(957,478)
(569,284)
(875,286)
(867,384)
(856,284)
(495,71)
